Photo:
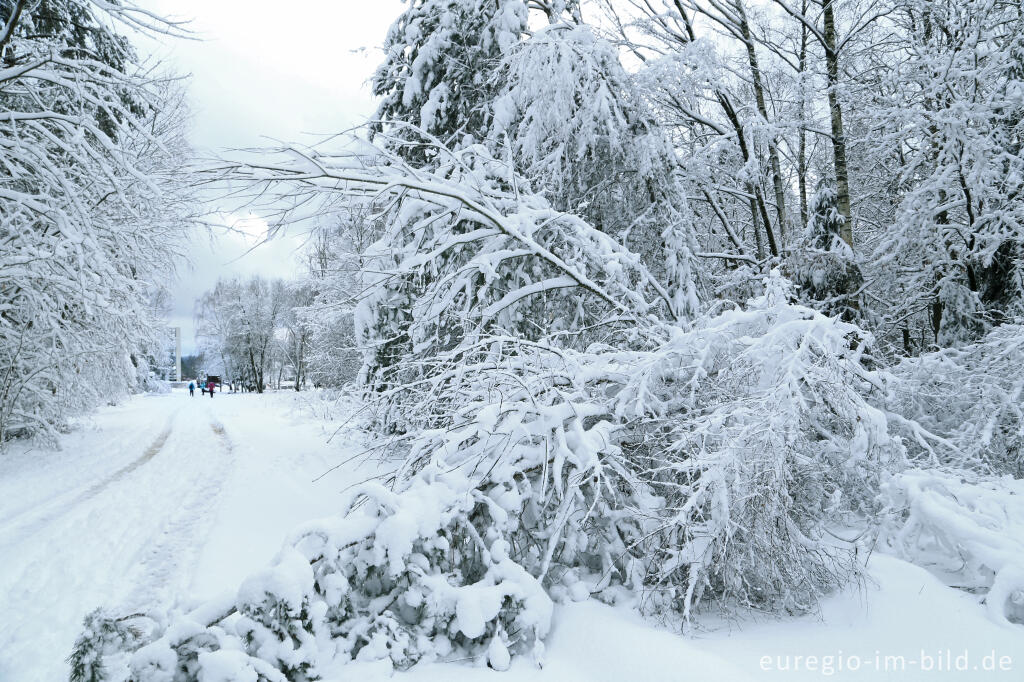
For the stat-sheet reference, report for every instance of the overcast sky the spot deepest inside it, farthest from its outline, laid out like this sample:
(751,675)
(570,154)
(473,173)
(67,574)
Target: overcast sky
(262,72)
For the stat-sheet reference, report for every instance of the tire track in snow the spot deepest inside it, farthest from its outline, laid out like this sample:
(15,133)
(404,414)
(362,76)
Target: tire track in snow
(164,571)
(16,527)
(68,559)
(130,541)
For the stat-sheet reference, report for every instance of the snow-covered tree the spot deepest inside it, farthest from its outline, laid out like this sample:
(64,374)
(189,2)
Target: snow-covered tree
(437,79)
(337,281)
(467,72)
(298,333)
(578,129)
(238,322)
(956,120)
(93,204)
(823,264)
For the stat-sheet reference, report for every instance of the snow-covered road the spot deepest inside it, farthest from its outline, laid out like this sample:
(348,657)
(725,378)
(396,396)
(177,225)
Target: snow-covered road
(161,498)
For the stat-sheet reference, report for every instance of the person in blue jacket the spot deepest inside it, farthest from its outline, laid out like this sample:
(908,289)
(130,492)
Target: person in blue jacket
(192,389)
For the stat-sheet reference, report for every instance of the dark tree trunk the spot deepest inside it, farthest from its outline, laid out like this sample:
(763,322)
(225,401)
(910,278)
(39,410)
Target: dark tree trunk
(838,138)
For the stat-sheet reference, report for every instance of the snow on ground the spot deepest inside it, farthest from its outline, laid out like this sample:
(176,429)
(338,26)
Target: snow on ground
(170,498)
(904,612)
(898,626)
(164,497)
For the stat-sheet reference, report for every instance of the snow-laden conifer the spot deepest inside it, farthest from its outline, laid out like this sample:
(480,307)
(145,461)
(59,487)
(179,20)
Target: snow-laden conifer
(437,75)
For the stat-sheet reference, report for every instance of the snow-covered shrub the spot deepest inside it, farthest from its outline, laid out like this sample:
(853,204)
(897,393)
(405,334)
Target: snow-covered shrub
(102,635)
(967,528)
(424,574)
(761,434)
(967,403)
(528,424)
(154,384)
(695,465)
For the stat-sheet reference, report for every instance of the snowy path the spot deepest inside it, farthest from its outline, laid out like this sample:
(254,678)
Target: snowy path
(162,498)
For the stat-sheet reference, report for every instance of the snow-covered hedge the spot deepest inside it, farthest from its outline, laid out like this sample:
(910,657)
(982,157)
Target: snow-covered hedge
(424,574)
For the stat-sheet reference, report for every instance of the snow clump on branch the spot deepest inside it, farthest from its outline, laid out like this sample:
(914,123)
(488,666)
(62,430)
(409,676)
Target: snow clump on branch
(420,575)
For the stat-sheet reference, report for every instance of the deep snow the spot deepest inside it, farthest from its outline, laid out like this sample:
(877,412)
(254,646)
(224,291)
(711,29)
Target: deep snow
(170,498)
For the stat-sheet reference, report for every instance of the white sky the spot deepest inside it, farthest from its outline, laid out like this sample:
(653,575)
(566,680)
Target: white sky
(266,71)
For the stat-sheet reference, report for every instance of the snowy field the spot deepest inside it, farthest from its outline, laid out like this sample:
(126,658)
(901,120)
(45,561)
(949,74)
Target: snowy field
(166,499)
